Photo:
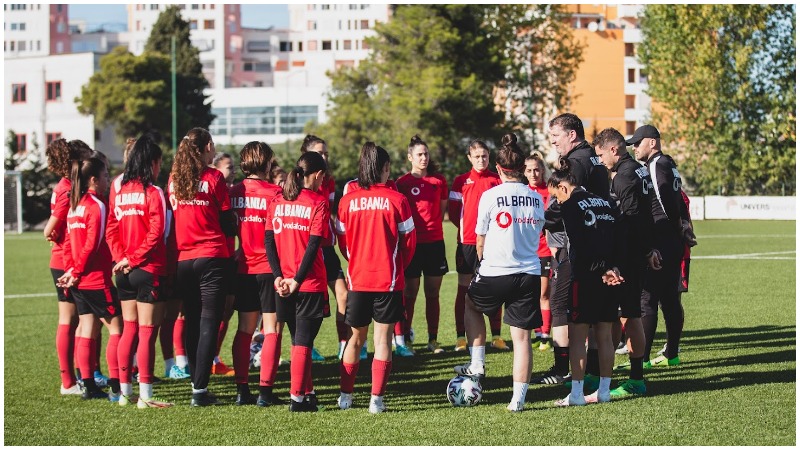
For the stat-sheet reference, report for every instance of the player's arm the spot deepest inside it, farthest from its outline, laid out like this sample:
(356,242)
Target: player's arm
(455,202)
(341,230)
(408,235)
(482,225)
(50,228)
(479,242)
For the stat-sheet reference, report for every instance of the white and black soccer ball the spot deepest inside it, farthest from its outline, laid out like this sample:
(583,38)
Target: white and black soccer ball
(464,391)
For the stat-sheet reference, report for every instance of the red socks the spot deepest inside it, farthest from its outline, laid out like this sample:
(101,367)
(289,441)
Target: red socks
(111,356)
(380,375)
(223,330)
(460,306)
(65,348)
(83,353)
(241,356)
(546,321)
(270,353)
(347,377)
(125,350)
(432,314)
(300,369)
(146,352)
(399,328)
(165,338)
(177,337)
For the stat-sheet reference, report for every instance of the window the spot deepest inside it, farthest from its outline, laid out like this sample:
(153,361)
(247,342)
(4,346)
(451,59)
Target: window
(348,24)
(642,76)
(53,89)
(299,47)
(154,7)
(630,127)
(192,24)
(22,27)
(38,46)
(22,46)
(631,75)
(352,7)
(19,93)
(60,27)
(326,7)
(312,46)
(364,45)
(364,6)
(294,118)
(256,67)
(259,84)
(347,44)
(630,50)
(22,142)
(59,8)
(326,45)
(59,47)
(52,137)
(211,6)
(285,46)
(208,24)
(138,25)
(365,24)
(13,27)
(630,101)
(312,25)
(97,135)
(258,46)
(196,6)
(11,45)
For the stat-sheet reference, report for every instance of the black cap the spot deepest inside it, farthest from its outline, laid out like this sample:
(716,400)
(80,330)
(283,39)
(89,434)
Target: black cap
(644,131)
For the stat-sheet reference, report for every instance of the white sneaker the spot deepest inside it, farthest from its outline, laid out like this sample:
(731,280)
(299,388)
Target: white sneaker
(376,405)
(468,370)
(570,401)
(74,390)
(515,406)
(622,349)
(664,349)
(345,401)
(596,397)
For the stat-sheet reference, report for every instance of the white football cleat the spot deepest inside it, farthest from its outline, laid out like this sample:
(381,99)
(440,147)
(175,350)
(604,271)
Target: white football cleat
(345,401)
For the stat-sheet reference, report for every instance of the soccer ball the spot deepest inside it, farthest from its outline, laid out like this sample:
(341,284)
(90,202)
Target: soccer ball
(464,391)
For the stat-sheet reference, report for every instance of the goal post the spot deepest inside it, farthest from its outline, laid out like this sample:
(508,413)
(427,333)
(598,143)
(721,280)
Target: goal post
(12,201)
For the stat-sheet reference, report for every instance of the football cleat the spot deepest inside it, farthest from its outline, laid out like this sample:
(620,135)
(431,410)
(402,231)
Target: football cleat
(622,349)
(376,405)
(434,347)
(404,351)
(596,397)
(664,349)
(245,398)
(363,354)
(500,344)
(125,400)
(629,388)
(316,355)
(468,371)
(590,382)
(204,399)
(345,401)
(517,406)
(100,380)
(551,377)
(544,345)
(221,369)
(179,373)
(461,344)
(663,361)
(570,401)
(153,403)
(93,394)
(74,390)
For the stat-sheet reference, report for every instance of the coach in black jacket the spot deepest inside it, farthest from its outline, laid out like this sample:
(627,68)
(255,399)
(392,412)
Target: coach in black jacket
(670,225)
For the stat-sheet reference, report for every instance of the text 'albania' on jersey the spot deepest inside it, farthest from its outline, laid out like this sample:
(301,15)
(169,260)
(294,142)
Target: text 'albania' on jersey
(511,217)
(376,232)
(250,200)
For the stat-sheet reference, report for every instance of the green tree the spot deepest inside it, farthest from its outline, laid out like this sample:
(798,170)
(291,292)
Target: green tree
(193,109)
(132,93)
(725,76)
(436,70)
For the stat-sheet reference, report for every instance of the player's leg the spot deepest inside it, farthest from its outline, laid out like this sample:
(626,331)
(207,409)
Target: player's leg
(432,285)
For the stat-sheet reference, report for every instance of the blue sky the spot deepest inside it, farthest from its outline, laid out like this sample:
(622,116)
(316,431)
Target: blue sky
(116,16)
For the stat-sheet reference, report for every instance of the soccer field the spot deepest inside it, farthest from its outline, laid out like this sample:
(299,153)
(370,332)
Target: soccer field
(736,384)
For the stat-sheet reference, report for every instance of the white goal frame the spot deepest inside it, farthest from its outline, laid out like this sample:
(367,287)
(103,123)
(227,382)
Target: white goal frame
(18,176)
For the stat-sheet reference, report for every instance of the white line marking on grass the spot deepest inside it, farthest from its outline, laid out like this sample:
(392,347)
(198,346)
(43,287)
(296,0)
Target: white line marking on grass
(726,236)
(49,294)
(756,256)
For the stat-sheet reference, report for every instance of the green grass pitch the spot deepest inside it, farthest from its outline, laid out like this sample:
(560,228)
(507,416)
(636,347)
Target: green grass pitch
(736,384)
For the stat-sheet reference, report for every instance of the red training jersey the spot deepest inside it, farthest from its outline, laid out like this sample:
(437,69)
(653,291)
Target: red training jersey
(425,196)
(59,208)
(379,238)
(465,195)
(328,191)
(85,249)
(137,225)
(198,232)
(544,250)
(294,222)
(250,200)
(352,185)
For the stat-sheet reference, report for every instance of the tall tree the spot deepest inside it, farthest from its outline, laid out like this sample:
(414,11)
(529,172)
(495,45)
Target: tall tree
(725,77)
(193,108)
(433,70)
(132,93)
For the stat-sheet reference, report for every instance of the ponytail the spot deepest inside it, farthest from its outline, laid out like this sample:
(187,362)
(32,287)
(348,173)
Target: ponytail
(370,165)
(308,164)
(510,157)
(562,174)
(189,163)
(80,174)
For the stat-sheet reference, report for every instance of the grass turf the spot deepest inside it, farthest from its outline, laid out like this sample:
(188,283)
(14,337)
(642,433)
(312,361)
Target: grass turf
(735,385)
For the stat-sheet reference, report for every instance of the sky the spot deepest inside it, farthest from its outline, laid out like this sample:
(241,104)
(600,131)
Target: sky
(115,16)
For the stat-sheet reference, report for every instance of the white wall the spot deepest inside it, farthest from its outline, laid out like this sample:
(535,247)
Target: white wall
(758,208)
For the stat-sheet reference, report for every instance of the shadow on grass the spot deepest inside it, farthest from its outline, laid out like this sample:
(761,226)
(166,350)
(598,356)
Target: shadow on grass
(419,382)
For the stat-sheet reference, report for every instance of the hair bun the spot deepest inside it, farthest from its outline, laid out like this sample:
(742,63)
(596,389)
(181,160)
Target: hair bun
(564,165)
(416,140)
(509,138)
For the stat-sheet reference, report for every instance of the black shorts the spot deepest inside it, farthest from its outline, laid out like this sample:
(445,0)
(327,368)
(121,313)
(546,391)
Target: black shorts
(140,285)
(592,301)
(230,276)
(430,259)
(384,307)
(301,305)
(684,282)
(255,292)
(518,292)
(466,259)
(103,303)
(628,295)
(333,267)
(64,295)
(560,296)
(546,263)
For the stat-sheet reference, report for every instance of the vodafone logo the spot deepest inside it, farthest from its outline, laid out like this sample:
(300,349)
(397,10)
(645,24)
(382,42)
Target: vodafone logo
(503,220)
(277,225)
(173,201)
(415,190)
(589,218)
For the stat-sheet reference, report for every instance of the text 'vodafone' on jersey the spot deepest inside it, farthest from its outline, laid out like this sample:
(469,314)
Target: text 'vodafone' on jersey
(511,217)
(379,237)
